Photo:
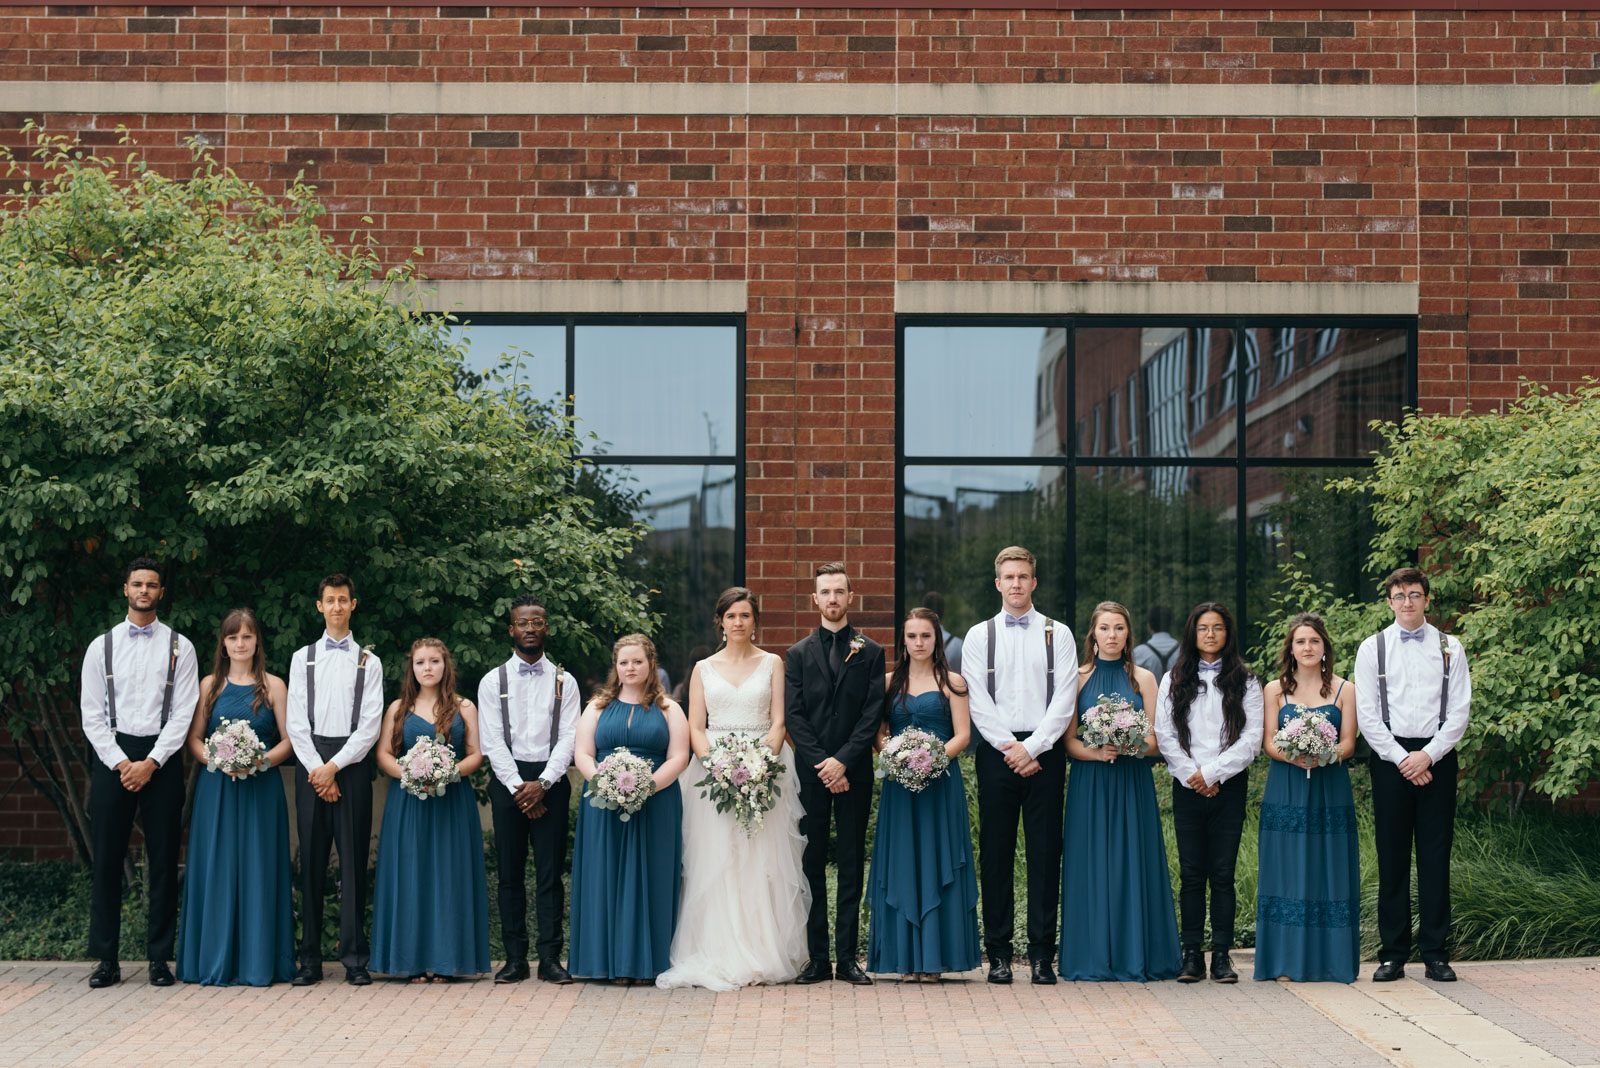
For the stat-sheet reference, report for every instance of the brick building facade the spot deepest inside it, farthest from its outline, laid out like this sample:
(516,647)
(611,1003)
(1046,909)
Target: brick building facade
(823,177)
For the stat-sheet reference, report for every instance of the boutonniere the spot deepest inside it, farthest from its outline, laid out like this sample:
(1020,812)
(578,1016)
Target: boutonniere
(858,643)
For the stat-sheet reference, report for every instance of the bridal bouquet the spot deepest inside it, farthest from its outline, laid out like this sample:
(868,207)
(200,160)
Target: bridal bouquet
(427,768)
(1308,734)
(1115,722)
(913,758)
(742,777)
(622,782)
(234,748)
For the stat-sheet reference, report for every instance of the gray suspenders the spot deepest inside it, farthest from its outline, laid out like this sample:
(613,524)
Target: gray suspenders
(111,683)
(1383,679)
(311,687)
(505,709)
(1049,659)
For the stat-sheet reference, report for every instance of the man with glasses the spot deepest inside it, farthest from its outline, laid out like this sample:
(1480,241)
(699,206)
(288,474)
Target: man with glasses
(1412,696)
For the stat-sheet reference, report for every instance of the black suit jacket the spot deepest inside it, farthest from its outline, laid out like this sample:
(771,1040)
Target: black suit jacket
(833,717)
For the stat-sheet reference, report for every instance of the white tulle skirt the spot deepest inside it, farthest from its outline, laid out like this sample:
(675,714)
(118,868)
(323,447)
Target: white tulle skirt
(742,916)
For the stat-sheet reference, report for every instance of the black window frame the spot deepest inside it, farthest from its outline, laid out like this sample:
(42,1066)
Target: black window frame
(1073,463)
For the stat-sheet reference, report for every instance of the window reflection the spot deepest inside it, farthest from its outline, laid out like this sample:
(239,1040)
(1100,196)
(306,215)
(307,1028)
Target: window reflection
(969,390)
(539,355)
(1163,537)
(1328,384)
(658,390)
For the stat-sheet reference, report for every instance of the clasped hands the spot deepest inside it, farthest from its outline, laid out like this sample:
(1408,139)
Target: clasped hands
(323,782)
(530,799)
(831,772)
(1197,782)
(1417,768)
(1019,760)
(136,774)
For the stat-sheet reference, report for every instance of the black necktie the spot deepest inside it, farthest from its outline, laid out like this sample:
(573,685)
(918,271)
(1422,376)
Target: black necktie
(835,659)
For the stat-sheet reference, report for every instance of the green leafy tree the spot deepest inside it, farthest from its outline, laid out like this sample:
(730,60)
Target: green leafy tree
(1505,510)
(191,369)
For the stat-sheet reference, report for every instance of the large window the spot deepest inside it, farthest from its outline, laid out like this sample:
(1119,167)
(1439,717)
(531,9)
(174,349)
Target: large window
(659,411)
(1162,468)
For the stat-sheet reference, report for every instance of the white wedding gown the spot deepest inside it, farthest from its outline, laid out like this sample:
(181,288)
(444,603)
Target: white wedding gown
(742,913)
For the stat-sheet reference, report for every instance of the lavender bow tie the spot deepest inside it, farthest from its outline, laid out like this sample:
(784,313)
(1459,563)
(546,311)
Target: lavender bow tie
(1017,621)
(1411,635)
(535,668)
(146,631)
(342,643)
(1210,667)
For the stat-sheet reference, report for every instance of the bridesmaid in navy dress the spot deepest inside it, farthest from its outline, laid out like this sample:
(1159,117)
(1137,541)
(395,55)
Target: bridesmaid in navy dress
(1117,919)
(923,889)
(430,900)
(625,875)
(238,927)
(1308,894)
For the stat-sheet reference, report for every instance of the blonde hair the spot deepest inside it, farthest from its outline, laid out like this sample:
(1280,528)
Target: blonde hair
(653,693)
(1015,552)
(1092,647)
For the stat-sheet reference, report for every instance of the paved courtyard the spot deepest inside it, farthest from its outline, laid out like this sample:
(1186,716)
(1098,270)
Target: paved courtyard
(1514,1014)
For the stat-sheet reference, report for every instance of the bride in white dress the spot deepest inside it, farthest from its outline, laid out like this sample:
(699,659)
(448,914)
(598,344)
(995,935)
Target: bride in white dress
(742,913)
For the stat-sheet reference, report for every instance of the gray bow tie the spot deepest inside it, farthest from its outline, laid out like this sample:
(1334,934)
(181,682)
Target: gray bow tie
(535,668)
(1210,667)
(146,631)
(1017,621)
(342,643)
(1411,635)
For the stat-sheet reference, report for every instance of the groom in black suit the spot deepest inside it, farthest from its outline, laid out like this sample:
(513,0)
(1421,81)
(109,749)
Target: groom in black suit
(833,703)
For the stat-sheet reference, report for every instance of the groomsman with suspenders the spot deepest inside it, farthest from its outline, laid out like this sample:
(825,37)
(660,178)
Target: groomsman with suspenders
(528,724)
(335,710)
(140,686)
(1021,670)
(1413,692)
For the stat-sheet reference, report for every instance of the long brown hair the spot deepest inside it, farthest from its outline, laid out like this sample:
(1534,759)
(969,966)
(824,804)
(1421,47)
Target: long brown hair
(221,663)
(900,681)
(444,714)
(1092,648)
(1286,660)
(1233,677)
(653,693)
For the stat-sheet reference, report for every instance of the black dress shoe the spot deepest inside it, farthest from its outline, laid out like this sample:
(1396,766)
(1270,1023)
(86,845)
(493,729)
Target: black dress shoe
(1000,970)
(307,975)
(551,972)
(1390,970)
(1193,968)
(357,976)
(515,971)
(815,971)
(160,974)
(1222,968)
(107,973)
(850,972)
(1439,971)
(1043,973)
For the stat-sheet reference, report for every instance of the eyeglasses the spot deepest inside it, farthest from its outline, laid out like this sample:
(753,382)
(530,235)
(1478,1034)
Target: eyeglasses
(1402,598)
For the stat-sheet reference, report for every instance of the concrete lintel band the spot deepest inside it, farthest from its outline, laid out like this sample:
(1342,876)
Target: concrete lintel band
(675,98)
(579,297)
(1156,298)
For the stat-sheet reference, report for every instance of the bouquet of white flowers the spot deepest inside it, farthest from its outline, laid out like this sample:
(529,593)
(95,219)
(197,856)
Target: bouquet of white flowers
(1114,721)
(1307,734)
(622,782)
(234,748)
(427,768)
(913,758)
(742,777)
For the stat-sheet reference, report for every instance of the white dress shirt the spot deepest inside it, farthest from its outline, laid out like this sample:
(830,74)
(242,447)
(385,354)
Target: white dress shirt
(1415,670)
(531,697)
(1206,752)
(336,691)
(1018,705)
(140,667)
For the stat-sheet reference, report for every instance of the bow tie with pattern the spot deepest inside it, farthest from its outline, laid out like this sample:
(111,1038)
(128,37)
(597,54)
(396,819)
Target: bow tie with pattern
(535,668)
(1411,635)
(342,644)
(1017,621)
(146,631)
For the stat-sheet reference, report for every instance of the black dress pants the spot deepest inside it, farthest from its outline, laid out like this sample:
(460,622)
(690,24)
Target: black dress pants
(513,832)
(1039,801)
(848,812)
(347,824)
(159,807)
(1404,816)
(1208,831)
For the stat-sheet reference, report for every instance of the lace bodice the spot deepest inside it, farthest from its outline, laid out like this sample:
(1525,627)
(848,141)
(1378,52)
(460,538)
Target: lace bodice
(746,707)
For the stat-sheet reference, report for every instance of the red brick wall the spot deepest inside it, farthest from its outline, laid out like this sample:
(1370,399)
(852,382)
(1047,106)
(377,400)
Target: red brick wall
(1497,220)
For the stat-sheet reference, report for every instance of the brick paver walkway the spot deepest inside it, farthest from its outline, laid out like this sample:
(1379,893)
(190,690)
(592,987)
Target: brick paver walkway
(1515,1014)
